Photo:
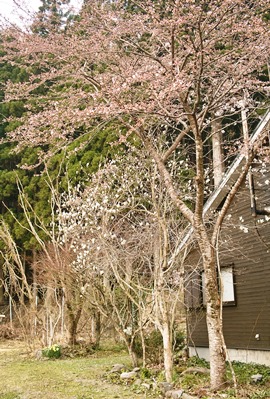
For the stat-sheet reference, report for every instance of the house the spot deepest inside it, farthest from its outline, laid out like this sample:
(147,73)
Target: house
(243,262)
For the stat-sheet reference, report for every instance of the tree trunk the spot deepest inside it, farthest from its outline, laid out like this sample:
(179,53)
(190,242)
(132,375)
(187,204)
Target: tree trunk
(217,351)
(132,354)
(74,318)
(129,341)
(95,328)
(167,352)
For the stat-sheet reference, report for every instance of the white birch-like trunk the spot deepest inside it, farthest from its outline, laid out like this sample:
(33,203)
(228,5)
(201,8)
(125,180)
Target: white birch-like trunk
(217,351)
(167,352)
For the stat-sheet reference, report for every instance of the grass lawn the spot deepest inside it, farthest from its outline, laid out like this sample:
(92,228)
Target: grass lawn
(26,377)
(22,377)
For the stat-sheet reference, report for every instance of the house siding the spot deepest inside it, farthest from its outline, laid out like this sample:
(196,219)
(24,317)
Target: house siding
(245,243)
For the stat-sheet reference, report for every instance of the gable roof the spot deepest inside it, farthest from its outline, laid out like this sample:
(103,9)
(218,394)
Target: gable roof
(231,175)
(235,168)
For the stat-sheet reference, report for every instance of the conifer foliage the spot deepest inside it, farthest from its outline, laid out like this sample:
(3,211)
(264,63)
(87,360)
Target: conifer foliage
(51,16)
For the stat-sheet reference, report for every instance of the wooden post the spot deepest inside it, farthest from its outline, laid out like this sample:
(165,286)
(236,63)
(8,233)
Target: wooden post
(218,158)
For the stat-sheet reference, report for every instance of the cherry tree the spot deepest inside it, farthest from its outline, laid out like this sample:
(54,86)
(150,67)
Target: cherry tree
(175,70)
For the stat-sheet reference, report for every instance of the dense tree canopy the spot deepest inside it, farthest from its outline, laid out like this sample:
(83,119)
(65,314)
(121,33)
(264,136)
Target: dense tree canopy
(69,166)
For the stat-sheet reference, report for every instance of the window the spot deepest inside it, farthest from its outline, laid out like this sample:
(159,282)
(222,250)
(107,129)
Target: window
(226,286)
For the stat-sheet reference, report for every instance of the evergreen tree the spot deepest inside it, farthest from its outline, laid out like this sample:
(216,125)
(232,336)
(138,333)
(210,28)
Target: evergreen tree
(51,17)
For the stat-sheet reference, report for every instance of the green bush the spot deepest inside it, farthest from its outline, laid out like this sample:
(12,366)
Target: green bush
(52,352)
(154,345)
(145,373)
(178,341)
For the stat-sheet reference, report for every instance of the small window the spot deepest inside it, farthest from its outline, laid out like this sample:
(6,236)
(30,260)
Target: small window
(226,285)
